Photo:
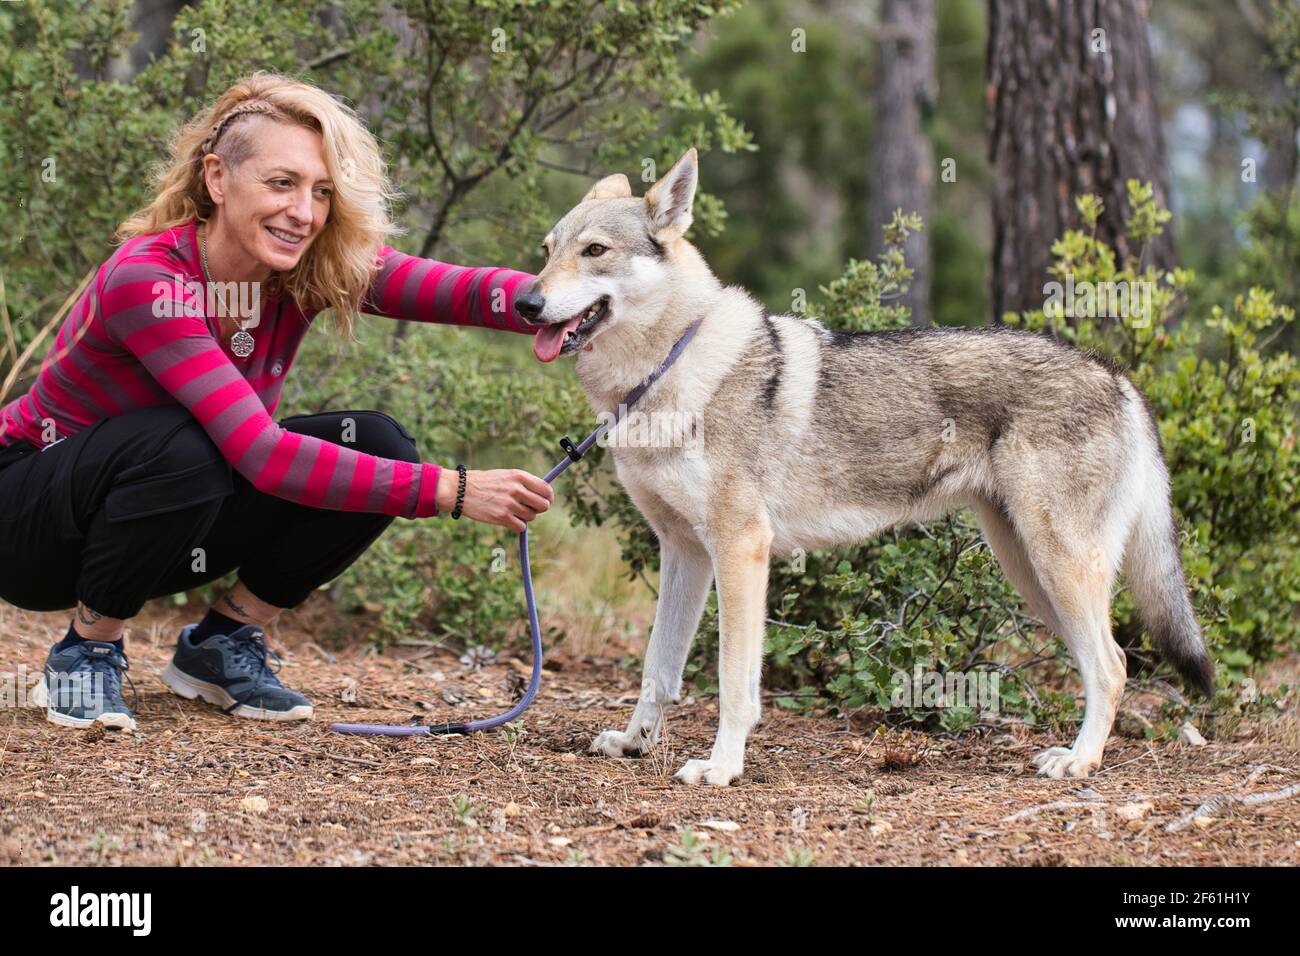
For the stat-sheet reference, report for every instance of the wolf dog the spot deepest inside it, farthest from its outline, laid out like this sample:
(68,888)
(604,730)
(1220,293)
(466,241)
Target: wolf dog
(773,433)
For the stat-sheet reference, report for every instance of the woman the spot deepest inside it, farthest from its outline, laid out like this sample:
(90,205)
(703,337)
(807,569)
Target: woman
(144,461)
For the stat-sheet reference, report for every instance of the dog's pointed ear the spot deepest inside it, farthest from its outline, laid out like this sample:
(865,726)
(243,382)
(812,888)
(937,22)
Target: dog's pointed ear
(611,187)
(669,201)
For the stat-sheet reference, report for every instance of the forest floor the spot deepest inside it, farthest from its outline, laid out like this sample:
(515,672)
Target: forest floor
(193,787)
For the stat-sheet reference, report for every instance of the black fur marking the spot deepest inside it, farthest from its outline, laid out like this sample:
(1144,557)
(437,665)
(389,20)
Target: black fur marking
(997,425)
(839,339)
(777,362)
(827,381)
(1000,503)
(656,247)
(924,486)
(772,334)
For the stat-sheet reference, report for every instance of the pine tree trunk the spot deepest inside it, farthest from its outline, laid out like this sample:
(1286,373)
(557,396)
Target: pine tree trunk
(1282,159)
(1071,109)
(903,175)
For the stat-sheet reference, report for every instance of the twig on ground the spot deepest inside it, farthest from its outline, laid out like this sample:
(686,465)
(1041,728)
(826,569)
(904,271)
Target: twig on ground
(360,760)
(1034,811)
(1216,803)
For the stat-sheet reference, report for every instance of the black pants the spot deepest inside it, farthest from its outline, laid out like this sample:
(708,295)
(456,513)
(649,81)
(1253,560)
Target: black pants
(142,505)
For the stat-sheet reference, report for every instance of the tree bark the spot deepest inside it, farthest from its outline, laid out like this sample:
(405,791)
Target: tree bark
(1071,109)
(1282,159)
(903,174)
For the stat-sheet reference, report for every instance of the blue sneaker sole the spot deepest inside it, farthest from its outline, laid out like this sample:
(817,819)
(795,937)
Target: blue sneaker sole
(40,697)
(191,688)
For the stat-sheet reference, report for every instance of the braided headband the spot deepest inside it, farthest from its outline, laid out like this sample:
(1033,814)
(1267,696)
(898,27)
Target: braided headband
(243,109)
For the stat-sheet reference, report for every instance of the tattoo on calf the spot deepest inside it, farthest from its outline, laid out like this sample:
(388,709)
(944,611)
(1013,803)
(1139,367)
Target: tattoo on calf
(235,607)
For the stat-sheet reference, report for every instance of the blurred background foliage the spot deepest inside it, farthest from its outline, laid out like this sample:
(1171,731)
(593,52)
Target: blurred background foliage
(497,116)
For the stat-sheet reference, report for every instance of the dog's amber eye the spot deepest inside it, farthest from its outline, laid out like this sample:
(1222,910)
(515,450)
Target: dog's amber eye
(546,253)
(594,249)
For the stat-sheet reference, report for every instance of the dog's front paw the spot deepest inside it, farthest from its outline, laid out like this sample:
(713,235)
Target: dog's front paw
(1059,762)
(707,772)
(615,743)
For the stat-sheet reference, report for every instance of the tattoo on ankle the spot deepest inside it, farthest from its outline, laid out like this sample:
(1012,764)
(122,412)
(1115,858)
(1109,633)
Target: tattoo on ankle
(235,607)
(86,616)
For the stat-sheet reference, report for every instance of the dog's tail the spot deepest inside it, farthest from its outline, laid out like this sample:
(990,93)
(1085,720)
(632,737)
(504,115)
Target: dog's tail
(1153,567)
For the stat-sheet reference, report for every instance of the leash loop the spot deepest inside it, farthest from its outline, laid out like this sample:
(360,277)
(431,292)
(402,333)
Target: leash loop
(573,454)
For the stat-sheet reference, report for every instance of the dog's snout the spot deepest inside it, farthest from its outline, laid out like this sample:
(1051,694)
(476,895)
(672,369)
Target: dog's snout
(530,305)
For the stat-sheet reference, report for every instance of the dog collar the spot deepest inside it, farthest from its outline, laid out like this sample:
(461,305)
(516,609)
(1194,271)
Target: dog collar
(577,451)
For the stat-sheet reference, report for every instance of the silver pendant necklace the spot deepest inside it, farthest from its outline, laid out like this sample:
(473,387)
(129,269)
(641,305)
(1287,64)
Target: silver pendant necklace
(241,343)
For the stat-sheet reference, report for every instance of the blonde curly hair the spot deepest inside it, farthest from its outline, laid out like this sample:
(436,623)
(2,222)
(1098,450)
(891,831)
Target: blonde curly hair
(339,267)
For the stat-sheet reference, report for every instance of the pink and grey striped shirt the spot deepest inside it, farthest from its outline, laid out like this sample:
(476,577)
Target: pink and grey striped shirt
(138,336)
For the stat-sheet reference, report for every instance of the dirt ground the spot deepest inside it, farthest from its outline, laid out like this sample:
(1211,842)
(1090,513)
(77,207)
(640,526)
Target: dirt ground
(193,787)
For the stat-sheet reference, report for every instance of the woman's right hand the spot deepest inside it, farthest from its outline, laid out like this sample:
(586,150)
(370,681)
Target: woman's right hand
(503,496)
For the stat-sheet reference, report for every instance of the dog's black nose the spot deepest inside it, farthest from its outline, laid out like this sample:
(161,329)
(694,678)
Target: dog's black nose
(530,305)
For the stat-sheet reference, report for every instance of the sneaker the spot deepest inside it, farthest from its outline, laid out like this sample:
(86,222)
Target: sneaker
(232,672)
(82,686)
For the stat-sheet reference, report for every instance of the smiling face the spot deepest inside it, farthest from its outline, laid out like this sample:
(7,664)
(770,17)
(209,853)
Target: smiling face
(272,190)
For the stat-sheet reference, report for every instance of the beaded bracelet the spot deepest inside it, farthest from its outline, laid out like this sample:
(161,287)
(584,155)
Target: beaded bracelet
(460,492)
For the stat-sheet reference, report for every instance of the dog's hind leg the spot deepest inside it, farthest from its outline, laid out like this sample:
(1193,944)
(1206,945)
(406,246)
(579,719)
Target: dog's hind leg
(1076,575)
(1004,541)
(741,567)
(685,573)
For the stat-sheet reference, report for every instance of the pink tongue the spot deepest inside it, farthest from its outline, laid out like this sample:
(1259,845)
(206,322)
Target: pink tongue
(548,342)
